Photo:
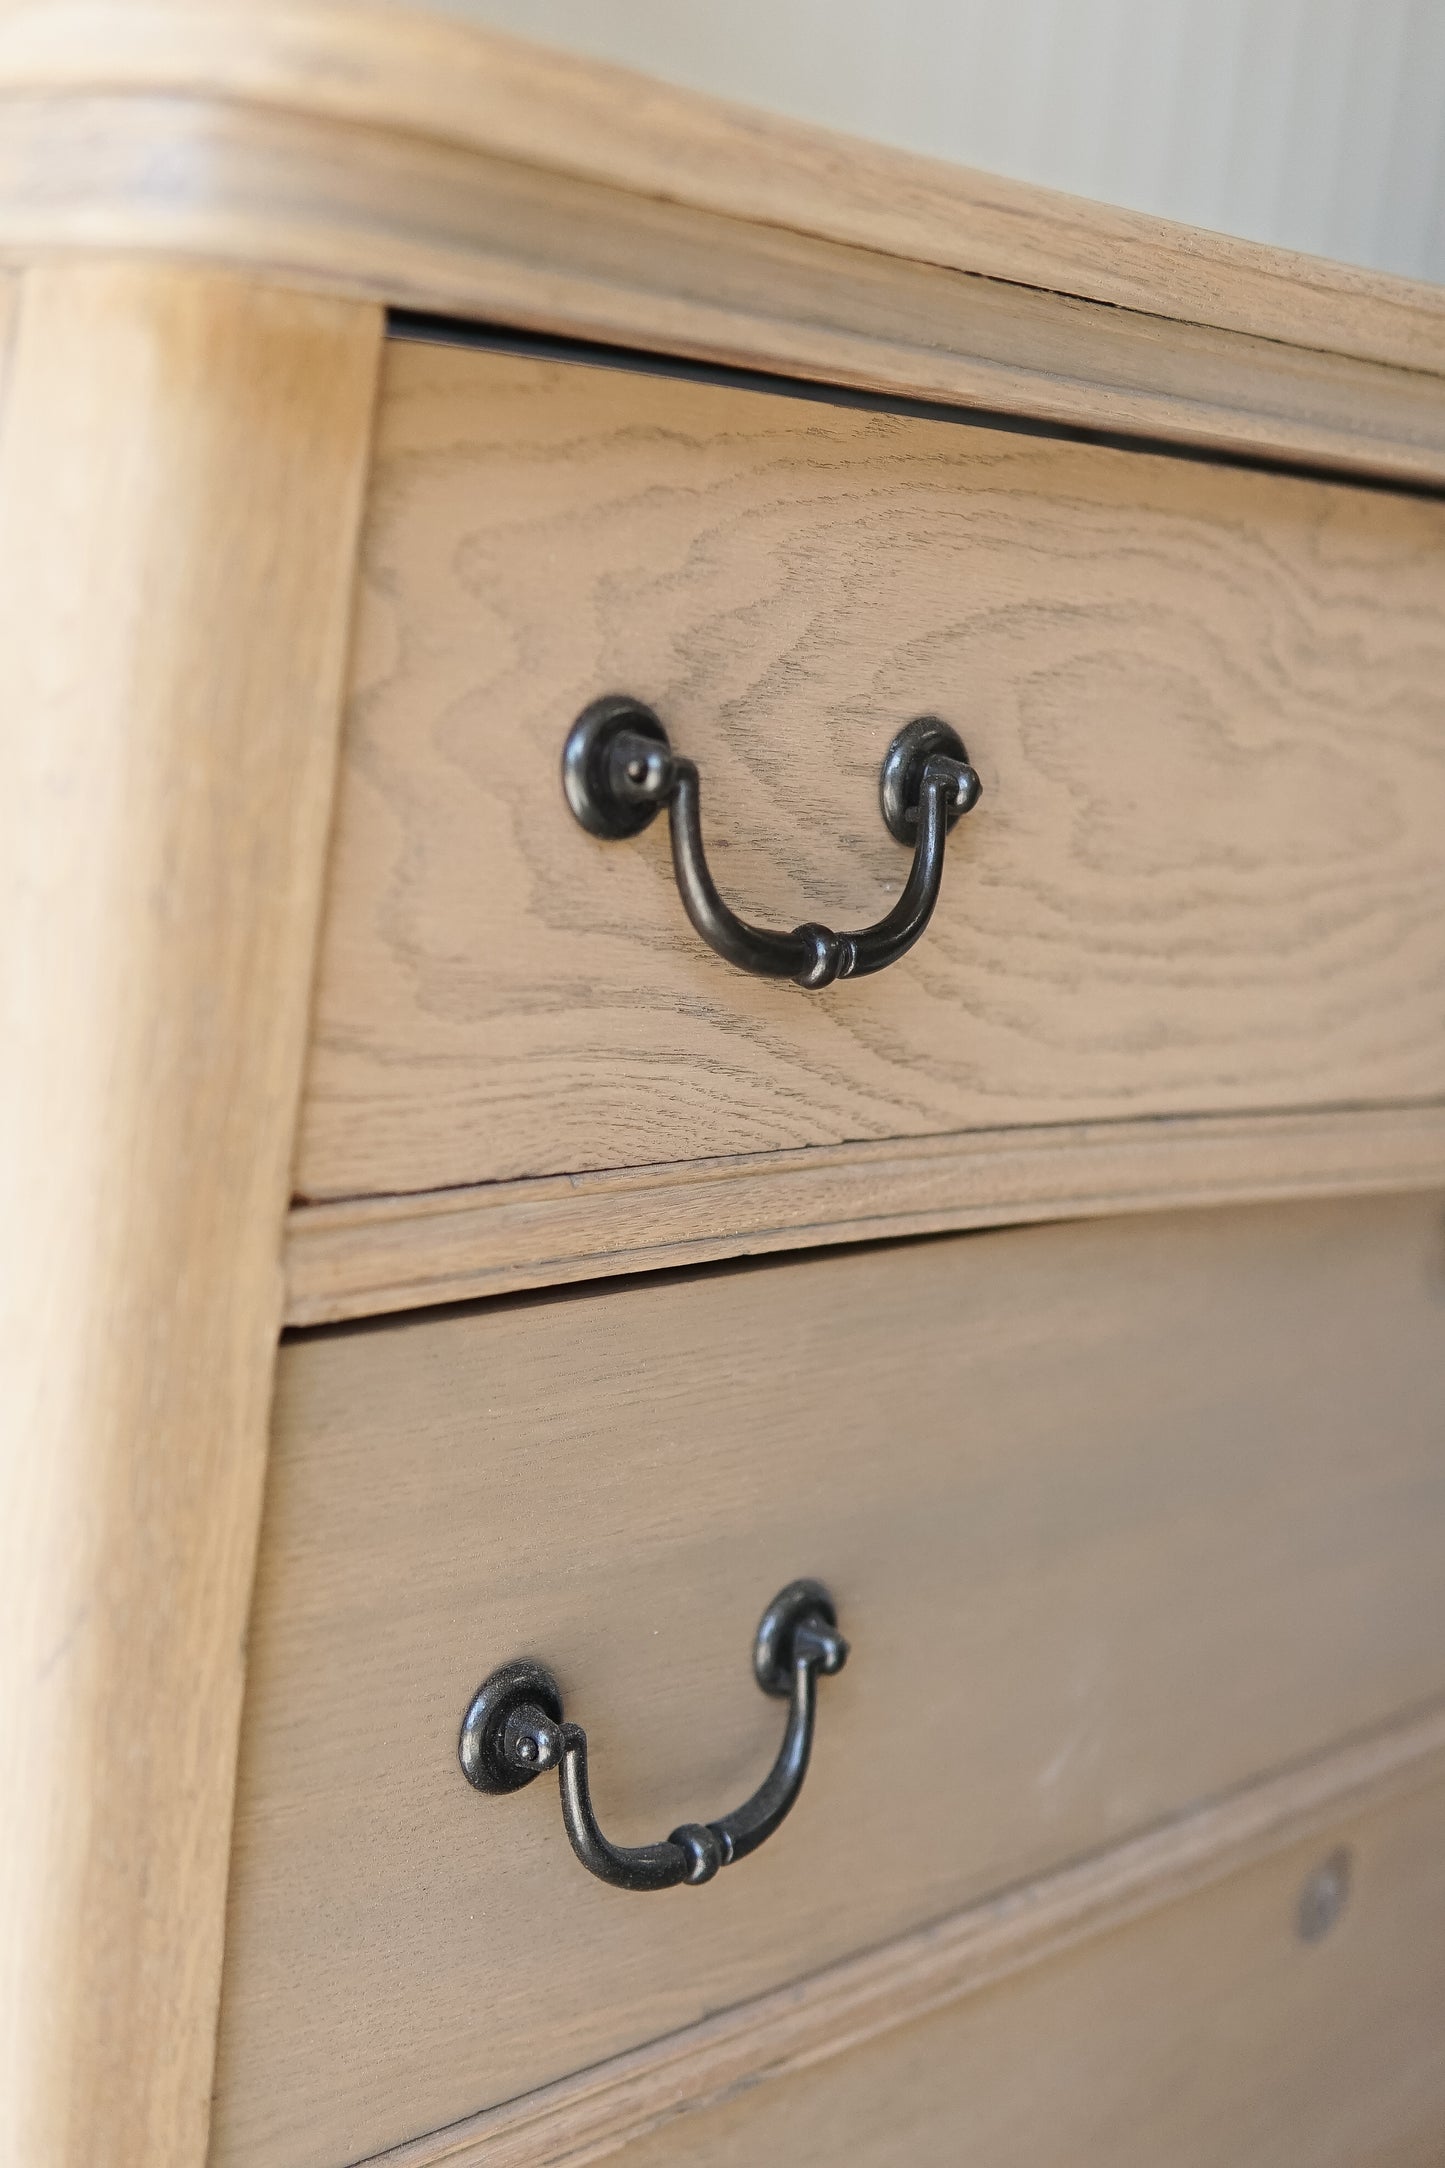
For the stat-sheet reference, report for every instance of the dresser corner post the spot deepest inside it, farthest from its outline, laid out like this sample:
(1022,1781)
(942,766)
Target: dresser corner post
(182,460)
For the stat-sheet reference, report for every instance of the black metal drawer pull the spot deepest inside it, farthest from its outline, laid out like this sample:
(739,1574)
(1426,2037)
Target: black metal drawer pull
(514,1729)
(618,769)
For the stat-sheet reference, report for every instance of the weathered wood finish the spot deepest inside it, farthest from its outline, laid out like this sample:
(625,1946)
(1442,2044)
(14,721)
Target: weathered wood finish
(595,2113)
(1208,708)
(431,226)
(181,459)
(360,1256)
(434,77)
(1237,1541)
(392,155)
(1207,2033)
(1120,1516)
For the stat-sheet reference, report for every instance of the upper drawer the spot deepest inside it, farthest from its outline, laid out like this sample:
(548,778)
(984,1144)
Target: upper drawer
(1207,705)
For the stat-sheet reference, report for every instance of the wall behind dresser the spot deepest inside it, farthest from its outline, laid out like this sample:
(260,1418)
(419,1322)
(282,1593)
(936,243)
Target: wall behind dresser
(1313,124)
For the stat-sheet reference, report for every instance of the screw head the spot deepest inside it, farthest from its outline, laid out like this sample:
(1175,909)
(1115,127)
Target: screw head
(531,1740)
(1324,1896)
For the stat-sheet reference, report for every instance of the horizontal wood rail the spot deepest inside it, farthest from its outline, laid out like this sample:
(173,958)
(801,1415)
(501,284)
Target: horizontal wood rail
(420,161)
(367,1255)
(428,77)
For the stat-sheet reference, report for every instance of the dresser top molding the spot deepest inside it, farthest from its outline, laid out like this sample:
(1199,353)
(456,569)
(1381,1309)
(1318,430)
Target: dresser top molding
(393,154)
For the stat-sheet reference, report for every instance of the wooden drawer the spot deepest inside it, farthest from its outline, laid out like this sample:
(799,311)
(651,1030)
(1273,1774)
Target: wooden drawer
(1206,704)
(1120,1516)
(1212,2031)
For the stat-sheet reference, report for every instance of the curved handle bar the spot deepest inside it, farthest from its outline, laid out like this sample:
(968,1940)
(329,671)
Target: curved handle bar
(514,1729)
(619,769)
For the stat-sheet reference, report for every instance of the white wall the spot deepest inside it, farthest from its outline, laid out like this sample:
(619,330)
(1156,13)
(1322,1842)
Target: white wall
(1318,124)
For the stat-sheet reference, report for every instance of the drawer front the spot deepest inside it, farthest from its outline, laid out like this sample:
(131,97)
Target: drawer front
(1210,2032)
(1119,1516)
(1207,706)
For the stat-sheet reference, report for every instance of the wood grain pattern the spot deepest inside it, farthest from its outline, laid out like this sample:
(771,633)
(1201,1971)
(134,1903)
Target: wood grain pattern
(1210,2032)
(1207,708)
(1163,1500)
(364,1256)
(181,463)
(381,79)
(807,2026)
(410,221)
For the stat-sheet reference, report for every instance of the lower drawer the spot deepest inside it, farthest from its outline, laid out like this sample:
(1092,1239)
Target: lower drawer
(1212,2032)
(1119,1516)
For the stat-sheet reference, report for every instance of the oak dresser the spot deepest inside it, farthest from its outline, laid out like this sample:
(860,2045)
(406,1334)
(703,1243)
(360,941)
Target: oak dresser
(724,1137)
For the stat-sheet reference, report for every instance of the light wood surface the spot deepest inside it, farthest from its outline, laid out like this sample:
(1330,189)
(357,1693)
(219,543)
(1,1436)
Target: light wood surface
(1209,2033)
(383,71)
(181,458)
(596,2113)
(1207,708)
(1120,1516)
(9,303)
(205,204)
(364,1256)
(427,226)
(393,155)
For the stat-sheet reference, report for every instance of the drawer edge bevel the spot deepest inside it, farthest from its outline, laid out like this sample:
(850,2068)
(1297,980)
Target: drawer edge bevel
(369,1256)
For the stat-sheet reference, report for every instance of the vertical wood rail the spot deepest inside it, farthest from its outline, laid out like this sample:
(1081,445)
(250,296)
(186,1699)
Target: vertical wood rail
(181,465)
